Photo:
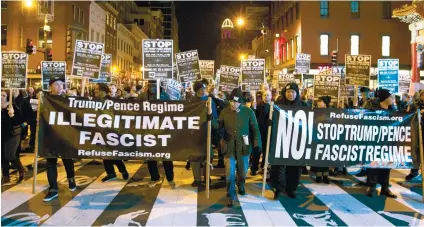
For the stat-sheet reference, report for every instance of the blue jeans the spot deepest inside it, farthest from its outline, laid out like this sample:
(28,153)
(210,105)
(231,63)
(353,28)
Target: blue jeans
(230,171)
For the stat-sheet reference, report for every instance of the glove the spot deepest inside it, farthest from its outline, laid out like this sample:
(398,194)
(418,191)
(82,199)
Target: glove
(11,111)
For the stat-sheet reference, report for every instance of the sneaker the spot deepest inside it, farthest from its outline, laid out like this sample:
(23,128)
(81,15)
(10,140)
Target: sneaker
(109,178)
(196,184)
(410,176)
(50,196)
(172,184)
(151,184)
(125,176)
(72,185)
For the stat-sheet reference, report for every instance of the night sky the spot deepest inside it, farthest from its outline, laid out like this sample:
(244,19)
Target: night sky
(200,23)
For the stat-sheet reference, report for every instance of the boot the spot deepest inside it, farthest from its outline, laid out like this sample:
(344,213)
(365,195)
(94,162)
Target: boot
(386,191)
(411,175)
(5,180)
(291,194)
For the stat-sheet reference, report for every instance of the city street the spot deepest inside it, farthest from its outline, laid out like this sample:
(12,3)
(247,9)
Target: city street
(129,203)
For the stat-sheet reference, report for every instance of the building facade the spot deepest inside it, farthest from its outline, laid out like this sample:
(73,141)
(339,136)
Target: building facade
(150,21)
(349,27)
(97,24)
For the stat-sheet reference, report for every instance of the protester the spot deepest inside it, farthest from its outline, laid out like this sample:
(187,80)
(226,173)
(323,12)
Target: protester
(365,92)
(262,116)
(23,105)
(201,94)
(241,133)
(11,120)
(322,173)
(56,89)
(383,101)
(286,178)
(32,118)
(275,95)
(217,134)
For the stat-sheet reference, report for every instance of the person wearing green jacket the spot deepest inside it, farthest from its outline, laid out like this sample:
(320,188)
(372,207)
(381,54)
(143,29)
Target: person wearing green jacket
(241,134)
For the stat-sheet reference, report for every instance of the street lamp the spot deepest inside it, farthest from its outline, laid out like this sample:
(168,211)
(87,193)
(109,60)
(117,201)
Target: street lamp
(242,56)
(240,21)
(28,3)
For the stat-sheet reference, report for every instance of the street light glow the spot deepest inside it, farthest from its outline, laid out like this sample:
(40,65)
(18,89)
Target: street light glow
(240,21)
(242,56)
(28,3)
(114,69)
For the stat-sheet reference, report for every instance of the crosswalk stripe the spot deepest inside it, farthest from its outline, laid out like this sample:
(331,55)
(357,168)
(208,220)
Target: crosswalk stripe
(22,192)
(272,212)
(405,196)
(86,207)
(345,206)
(176,207)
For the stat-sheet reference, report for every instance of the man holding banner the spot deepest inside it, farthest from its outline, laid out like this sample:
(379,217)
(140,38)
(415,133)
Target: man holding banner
(383,101)
(241,133)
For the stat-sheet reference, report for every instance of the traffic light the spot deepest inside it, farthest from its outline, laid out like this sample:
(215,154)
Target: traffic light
(48,54)
(334,58)
(29,46)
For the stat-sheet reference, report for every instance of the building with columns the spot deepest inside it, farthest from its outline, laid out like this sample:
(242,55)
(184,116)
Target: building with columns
(413,14)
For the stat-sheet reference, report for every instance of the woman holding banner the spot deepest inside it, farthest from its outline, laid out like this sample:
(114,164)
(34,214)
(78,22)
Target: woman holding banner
(11,120)
(241,134)
(383,101)
(286,178)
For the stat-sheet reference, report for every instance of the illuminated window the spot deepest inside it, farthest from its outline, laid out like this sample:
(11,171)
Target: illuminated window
(354,44)
(323,44)
(292,48)
(385,46)
(354,9)
(324,8)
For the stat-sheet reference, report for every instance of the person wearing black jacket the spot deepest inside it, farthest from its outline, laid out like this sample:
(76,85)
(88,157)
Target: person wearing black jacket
(102,92)
(22,103)
(262,116)
(217,134)
(56,88)
(383,101)
(11,120)
(286,178)
(32,118)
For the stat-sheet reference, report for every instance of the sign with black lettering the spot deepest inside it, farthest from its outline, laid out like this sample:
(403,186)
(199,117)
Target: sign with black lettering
(207,68)
(123,129)
(358,70)
(158,59)
(345,90)
(52,70)
(404,81)
(188,66)
(284,79)
(173,88)
(14,70)
(105,70)
(343,137)
(253,73)
(229,78)
(388,74)
(87,59)
(327,85)
(303,63)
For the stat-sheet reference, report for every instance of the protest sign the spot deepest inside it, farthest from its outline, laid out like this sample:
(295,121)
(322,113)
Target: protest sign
(358,70)
(87,59)
(303,63)
(388,74)
(173,88)
(229,78)
(207,68)
(123,129)
(188,66)
(327,85)
(253,73)
(157,59)
(345,90)
(14,70)
(404,81)
(105,70)
(343,137)
(52,70)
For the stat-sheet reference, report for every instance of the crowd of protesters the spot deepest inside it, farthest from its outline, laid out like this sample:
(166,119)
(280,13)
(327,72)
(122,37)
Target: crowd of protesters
(240,121)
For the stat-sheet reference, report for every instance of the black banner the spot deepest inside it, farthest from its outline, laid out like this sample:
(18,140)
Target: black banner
(327,85)
(71,127)
(207,68)
(87,59)
(229,78)
(253,73)
(52,70)
(105,70)
(358,70)
(188,66)
(158,59)
(343,137)
(14,70)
